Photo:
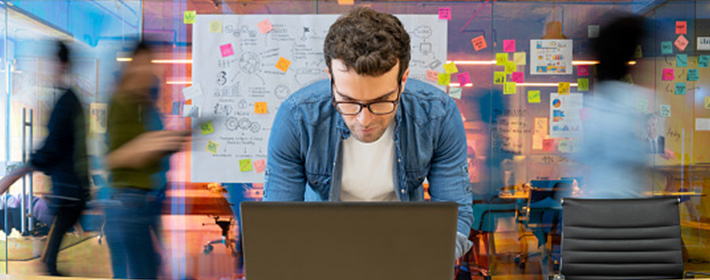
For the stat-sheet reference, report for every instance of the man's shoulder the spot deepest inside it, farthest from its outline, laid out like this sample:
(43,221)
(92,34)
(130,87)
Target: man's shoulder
(426,102)
(310,103)
(313,93)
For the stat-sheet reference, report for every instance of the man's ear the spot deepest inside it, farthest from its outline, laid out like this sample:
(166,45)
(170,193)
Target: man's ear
(328,71)
(404,78)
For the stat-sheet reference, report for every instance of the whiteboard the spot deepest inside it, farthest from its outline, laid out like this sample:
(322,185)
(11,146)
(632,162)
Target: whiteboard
(233,85)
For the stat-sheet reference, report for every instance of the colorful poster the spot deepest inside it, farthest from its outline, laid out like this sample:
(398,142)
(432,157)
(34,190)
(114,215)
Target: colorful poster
(565,121)
(550,57)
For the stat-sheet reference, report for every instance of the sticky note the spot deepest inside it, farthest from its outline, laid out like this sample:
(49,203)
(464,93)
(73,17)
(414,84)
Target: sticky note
(190,111)
(679,88)
(703,61)
(638,53)
(245,165)
(593,31)
(212,147)
(693,74)
(260,108)
(510,67)
(642,105)
(509,45)
(533,96)
(501,59)
(548,145)
(259,165)
(216,26)
(681,27)
(226,50)
(265,26)
(537,142)
(432,75)
(206,128)
(517,77)
(445,13)
(564,146)
(499,78)
(585,114)
(583,84)
(666,47)
(509,88)
(479,43)
(519,58)
(563,88)
(681,60)
(192,91)
(582,70)
(455,92)
(444,79)
(681,43)
(283,64)
(668,74)
(346,2)
(189,17)
(450,68)
(707,102)
(463,78)
(665,110)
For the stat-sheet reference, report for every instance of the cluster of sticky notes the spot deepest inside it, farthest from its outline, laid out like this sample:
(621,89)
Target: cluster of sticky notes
(509,88)
(450,68)
(666,47)
(534,96)
(283,64)
(226,50)
(479,43)
(443,79)
(704,61)
(265,26)
(582,70)
(583,84)
(508,45)
(563,88)
(455,92)
(216,26)
(259,165)
(445,13)
(679,88)
(499,77)
(432,75)
(519,58)
(463,78)
(189,17)
(260,108)
(206,128)
(681,60)
(212,147)
(664,110)
(517,77)
(245,165)
(693,74)
(681,43)
(668,74)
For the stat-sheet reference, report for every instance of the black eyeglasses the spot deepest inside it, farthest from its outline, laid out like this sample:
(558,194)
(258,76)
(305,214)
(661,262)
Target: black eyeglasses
(351,108)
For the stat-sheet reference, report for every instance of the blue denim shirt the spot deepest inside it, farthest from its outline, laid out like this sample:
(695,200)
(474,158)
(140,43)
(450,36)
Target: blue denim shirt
(305,159)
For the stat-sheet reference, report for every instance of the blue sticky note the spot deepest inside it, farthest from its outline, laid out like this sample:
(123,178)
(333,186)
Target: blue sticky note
(666,47)
(703,61)
(681,60)
(693,75)
(679,88)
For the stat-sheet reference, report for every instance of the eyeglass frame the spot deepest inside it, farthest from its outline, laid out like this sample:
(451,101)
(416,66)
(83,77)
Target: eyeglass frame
(335,103)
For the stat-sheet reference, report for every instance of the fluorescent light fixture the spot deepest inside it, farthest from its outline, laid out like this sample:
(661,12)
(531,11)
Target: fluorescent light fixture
(178,82)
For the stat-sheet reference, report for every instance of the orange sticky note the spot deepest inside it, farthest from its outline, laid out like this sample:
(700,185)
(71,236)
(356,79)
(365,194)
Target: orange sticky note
(259,165)
(260,108)
(432,75)
(479,43)
(346,2)
(283,64)
(265,26)
(563,88)
(681,27)
(681,43)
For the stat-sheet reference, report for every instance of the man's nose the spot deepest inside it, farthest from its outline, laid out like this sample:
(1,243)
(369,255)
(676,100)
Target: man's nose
(365,117)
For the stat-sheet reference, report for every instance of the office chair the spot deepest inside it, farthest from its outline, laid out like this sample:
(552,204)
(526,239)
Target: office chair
(622,239)
(230,243)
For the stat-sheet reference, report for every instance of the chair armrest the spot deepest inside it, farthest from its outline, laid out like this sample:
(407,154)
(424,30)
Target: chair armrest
(691,274)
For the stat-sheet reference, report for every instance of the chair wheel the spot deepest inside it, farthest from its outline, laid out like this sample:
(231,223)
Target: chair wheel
(208,249)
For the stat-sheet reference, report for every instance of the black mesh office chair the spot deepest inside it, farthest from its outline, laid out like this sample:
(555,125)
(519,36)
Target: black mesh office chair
(622,239)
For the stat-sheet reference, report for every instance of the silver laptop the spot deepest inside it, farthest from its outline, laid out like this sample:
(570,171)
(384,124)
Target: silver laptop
(349,240)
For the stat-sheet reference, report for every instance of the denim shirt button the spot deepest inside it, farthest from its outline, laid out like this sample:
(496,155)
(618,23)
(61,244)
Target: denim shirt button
(399,160)
(315,182)
(404,191)
(420,178)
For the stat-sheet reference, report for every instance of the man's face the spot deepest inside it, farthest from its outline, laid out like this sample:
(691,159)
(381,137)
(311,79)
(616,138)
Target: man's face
(349,86)
(651,129)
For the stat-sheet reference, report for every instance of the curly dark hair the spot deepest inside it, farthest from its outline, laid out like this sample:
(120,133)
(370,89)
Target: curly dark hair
(369,42)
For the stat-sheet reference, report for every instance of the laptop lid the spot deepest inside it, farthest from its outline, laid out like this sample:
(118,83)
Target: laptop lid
(349,240)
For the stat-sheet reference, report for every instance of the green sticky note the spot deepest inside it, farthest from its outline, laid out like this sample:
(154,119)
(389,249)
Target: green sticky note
(642,105)
(693,75)
(509,88)
(245,165)
(499,78)
(450,68)
(681,60)
(501,59)
(206,128)
(455,92)
(509,67)
(679,88)
(583,84)
(212,147)
(704,61)
(189,17)
(444,79)
(666,47)
(534,96)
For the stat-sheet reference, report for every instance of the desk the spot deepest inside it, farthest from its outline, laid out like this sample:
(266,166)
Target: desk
(517,195)
(670,194)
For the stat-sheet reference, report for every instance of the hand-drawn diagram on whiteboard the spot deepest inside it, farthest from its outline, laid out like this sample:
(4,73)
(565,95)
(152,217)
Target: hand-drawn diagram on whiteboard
(550,57)
(245,74)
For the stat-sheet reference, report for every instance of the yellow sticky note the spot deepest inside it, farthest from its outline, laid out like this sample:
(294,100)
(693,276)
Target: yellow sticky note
(510,67)
(206,128)
(260,108)
(509,88)
(519,58)
(216,26)
(707,102)
(583,84)
(245,165)
(534,96)
(501,58)
(212,147)
(346,2)
(189,17)
(283,64)
(444,79)
(450,68)
(499,78)
(563,88)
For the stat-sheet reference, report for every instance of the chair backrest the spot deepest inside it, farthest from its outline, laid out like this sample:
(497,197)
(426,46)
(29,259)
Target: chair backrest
(621,239)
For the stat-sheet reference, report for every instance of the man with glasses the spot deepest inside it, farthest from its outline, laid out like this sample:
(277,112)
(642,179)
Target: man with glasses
(363,135)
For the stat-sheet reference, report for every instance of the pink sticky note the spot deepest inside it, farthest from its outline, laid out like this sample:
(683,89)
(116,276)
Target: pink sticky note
(584,114)
(259,165)
(548,145)
(681,43)
(509,45)
(432,75)
(681,27)
(463,78)
(445,13)
(226,50)
(517,77)
(583,70)
(265,26)
(668,74)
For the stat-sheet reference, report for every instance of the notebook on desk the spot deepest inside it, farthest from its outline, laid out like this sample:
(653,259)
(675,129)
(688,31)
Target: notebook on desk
(353,240)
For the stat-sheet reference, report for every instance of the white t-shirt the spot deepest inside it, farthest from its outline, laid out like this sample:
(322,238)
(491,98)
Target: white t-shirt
(368,168)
